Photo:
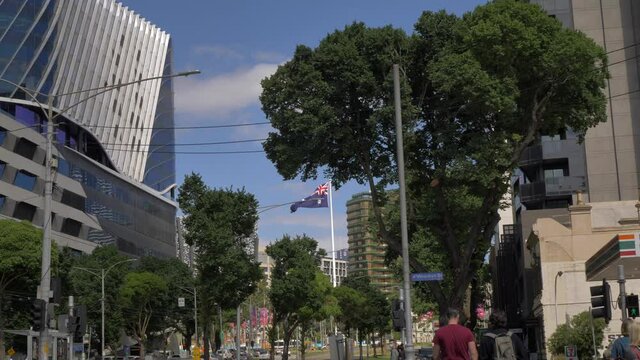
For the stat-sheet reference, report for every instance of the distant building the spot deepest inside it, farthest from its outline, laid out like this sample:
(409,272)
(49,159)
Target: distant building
(326,265)
(266,264)
(342,254)
(184,251)
(366,253)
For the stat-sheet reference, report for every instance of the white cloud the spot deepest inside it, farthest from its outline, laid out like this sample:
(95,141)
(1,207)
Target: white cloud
(222,94)
(268,56)
(218,52)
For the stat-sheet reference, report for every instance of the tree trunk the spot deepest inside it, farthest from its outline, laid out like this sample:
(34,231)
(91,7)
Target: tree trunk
(206,329)
(303,334)
(142,347)
(375,352)
(359,345)
(473,302)
(285,350)
(272,334)
(2,350)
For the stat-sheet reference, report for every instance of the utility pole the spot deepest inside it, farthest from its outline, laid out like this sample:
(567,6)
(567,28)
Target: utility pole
(195,313)
(623,293)
(69,330)
(45,278)
(406,271)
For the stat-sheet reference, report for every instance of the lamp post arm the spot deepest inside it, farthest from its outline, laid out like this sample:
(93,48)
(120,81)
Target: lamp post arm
(114,265)
(90,271)
(31,93)
(115,87)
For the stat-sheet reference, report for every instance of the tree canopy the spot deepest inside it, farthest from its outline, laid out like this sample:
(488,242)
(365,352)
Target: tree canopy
(476,91)
(577,332)
(220,224)
(297,291)
(20,263)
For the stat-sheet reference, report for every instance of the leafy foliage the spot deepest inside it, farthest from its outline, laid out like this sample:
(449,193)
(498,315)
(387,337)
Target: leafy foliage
(477,90)
(83,274)
(220,223)
(141,295)
(20,263)
(298,289)
(578,333)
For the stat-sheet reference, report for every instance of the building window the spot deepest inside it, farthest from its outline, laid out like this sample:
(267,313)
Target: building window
(72,199)
(121,40)
(3,134)
(138,56)
(25,180)
(115,131)
(24,211)
(71,227)
(118,60)
(25,148)
(3,199)
(3,165)
(115,105)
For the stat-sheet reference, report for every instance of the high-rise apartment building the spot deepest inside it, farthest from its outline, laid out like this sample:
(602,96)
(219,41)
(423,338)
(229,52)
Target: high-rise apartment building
(114,158)
(366,252)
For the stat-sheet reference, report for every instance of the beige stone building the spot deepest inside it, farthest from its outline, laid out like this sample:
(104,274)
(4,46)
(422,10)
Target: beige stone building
(559,248)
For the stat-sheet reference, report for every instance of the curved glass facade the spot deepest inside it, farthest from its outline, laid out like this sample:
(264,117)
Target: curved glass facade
(115,151)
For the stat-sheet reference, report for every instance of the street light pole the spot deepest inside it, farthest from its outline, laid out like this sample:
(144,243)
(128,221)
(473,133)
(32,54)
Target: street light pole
(44,289)
(406,271)
(102,275)
(555,294)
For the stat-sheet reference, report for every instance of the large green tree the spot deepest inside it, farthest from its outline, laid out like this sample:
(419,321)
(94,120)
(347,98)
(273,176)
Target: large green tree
(20,262)
(180,283)
(296,293)
(141,296)
(477,90)
(220,223)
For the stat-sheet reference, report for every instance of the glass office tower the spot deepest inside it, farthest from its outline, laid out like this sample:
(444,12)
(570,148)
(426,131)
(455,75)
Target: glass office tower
(115,175)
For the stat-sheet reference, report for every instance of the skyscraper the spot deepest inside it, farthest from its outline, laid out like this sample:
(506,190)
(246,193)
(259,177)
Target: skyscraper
(114,149)
(366,252)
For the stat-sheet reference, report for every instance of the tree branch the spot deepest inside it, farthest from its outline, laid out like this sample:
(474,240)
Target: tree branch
(434,287)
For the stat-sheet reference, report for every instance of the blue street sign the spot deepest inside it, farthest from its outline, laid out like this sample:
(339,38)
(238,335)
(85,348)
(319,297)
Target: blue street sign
(430,276)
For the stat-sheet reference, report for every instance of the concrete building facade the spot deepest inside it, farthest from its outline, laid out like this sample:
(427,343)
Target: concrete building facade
(612,149)
(366,253)
(114,160)
(560,249)
(326,265)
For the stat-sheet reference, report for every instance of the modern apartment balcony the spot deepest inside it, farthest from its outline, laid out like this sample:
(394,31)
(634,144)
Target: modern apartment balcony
(551,187)
(549,150)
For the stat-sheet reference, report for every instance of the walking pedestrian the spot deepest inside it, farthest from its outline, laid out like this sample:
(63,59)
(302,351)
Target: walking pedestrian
(632,352)
(454,341)
(622,343)
(394,351)
(499,343)
(400,352)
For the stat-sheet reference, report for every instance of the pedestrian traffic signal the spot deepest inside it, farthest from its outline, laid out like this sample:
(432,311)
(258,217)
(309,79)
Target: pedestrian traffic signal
(632,306)
(397,315)
(38,314)
(601,301)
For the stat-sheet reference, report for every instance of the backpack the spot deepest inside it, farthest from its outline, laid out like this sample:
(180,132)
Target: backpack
(503,346)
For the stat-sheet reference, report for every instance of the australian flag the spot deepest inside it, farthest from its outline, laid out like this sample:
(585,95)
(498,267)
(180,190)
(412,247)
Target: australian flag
(317,200)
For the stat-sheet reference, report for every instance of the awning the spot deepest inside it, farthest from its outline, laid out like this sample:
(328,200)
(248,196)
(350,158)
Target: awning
(623,249)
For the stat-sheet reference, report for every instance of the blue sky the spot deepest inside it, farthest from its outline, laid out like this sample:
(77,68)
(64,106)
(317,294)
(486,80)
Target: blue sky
(236,43)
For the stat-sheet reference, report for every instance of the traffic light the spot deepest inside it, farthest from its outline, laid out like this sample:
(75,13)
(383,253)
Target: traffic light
(632,306)
(81,329)
(397,315)
(38,314)
(601,301)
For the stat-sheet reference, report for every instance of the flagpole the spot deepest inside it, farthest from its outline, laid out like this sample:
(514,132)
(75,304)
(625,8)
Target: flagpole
(333,240)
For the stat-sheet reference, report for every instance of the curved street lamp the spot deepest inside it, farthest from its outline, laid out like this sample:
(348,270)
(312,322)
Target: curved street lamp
(44,290)
(102,274)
